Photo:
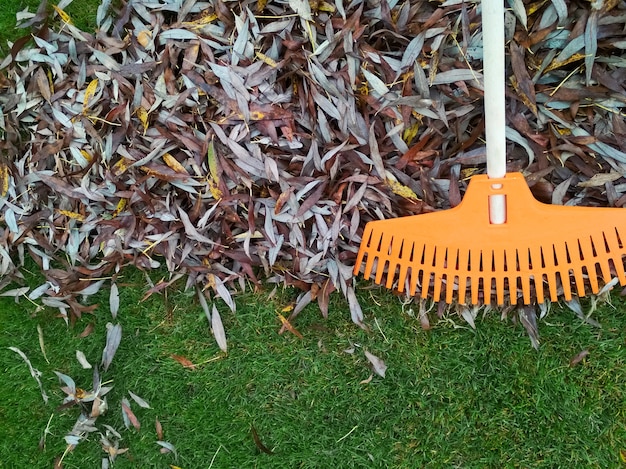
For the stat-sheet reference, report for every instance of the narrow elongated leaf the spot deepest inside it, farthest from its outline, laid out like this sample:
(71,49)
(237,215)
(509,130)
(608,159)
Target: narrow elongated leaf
(114,300)
(35,373)
(218,329)
(113,338)
(140,402)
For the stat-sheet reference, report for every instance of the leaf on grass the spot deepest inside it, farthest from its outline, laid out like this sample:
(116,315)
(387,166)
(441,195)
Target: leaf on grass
(218,329)
(114,336)
(287,325)
(64,16)
(368,380)
(167,447)
(578,358)
(42,345)
(15,292)
(140,402)
(67,380)
(35,373)
(528,317)
(159,429)
(183,361)
(114,300)
(257,441)
(82,359)
(378,365)
(129,417)
(89,328)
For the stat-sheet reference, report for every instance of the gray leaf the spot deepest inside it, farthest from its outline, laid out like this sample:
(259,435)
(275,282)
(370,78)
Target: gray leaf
(114,336)
(378,365)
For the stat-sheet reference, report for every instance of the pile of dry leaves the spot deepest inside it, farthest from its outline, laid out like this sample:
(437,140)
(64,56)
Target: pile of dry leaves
(251,141)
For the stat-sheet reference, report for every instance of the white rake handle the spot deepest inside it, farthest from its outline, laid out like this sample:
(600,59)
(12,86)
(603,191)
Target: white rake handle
(495,114)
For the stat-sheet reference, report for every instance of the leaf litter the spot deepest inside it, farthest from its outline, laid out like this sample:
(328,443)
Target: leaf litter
(243,143)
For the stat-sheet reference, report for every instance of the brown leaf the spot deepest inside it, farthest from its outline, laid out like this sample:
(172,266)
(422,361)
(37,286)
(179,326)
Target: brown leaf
(159,429)
(132,418)
(522,80)
(183,361)
(287,325)
(578,358)
(257,441)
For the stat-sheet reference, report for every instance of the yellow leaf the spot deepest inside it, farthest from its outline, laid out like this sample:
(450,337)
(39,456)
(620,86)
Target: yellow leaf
(4,179)
(174,164)
(212,160)
(50,80)
(143,117)
(325,6)
(289,326)
(72,215)
(201,22)
(268,60)
(411,132)
(215,191)
(121,166)
(121,205)
(64,16)
(622,455)
(260,5)
(174,467)
(89,92)
(555,65)
(287,309)
(144,37)
(214,180)
(401,190)
(210,282)
(86,155)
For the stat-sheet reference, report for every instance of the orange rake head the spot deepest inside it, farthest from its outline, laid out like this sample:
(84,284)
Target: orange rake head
(460,255)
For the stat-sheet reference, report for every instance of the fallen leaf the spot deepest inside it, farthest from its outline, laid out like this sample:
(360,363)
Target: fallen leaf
(159,429)
(578,358)
(378,365)
(167,447)
(367,380)
(80,356)
(218,330)
(113,339)
(140,402)
(183,361)
(289,326)
(129,416)
(257,441)
(34,372)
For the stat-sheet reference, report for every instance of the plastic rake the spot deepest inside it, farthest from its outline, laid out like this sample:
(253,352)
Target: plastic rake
(499,244)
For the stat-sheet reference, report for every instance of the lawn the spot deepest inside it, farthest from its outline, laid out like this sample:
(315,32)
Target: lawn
(451,396)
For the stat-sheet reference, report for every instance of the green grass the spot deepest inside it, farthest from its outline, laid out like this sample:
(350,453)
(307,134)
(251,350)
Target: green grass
(452,397)
(82,14)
